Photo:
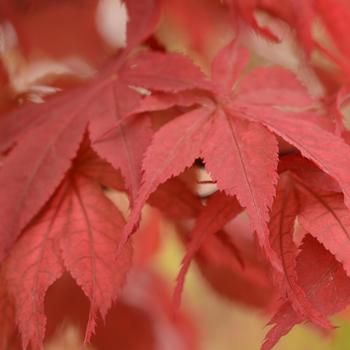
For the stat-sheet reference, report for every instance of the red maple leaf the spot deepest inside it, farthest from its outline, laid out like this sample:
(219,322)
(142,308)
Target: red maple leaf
(78,230)
(233,131)
(316,267)
(48,137)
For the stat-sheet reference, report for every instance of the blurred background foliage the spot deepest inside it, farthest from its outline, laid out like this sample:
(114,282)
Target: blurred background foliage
(225,325)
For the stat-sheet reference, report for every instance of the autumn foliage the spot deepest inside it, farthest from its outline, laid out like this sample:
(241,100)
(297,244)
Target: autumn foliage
(250,94)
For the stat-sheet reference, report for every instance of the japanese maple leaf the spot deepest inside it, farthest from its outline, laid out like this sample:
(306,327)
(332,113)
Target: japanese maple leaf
(233,131)
(322,211)
(324,215)
(324,282)
(78,231)
(225,142)
(105,101)
(283,214)
(45,148)
(122,141)
(49,135)
(36,166)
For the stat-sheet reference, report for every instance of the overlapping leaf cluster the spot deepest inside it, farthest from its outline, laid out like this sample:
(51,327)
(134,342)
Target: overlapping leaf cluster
(141,125)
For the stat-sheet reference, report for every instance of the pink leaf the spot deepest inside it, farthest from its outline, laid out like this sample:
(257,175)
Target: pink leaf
(174,148)
(242,158)
(92,233)
(33,265)
(334,155)
(35,168)
(283,215)
(325,283)
(325,216)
